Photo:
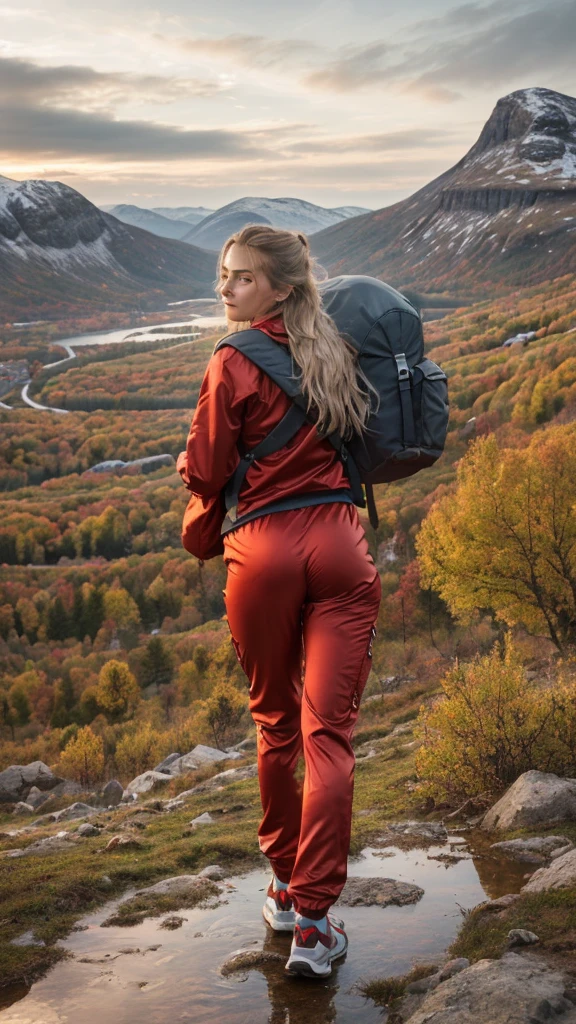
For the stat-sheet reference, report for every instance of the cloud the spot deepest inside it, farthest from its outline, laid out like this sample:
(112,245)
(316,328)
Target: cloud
(535,42)
(471,46)
(248,50)
(408,138)
(23,82)
(49,133)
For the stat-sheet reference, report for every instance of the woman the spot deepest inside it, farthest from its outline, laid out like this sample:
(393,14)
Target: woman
(299,582)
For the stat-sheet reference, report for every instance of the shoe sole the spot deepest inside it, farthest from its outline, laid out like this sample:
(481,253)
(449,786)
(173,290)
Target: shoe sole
(276,922)
(305,968)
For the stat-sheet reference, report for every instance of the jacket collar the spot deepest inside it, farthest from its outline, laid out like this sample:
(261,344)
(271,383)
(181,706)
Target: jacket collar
(273,326)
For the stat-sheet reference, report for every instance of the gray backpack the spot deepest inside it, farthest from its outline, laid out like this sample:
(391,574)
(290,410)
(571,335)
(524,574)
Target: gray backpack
(406,430)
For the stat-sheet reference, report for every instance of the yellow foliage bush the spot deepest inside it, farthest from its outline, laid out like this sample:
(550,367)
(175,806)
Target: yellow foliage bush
(492,724)
(83,758)
(139,751)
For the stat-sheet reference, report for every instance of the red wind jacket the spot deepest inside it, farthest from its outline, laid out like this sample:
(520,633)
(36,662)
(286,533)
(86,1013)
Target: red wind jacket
(238,400)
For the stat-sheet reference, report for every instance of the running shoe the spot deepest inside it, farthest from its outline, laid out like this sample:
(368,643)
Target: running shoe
(313,951)
(278,910)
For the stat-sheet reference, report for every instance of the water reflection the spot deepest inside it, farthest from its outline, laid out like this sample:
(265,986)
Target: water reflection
(175,976)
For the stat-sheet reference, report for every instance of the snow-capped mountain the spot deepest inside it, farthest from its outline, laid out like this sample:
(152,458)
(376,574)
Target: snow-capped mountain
(503,216)
(60,253)
(192,214)
(165,227)
(293,214)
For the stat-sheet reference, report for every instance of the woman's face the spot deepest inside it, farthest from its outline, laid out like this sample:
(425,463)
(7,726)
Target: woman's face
(247,293)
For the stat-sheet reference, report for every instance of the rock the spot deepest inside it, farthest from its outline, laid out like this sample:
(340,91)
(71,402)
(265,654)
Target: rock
(67,787)
(560,874)
(534,851)
(129,797)
(250,771)
(502,903)
(381,892)
(199,756)
(536,798)
(88,830)
(23,808)
(106,880)
(453,967)
(174,804)
(248,959)
(202,819)
(42,847)
(112,793)
(122,843)
(164,765)
(248,744)
(177,885)
(427,831)
(76,810)
(521,937)
(512,990)
(36,797)
(18,779)
(144,782)
(27,939)
(213,871)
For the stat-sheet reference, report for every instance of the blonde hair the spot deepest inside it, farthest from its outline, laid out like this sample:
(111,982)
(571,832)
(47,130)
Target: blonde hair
(328,362)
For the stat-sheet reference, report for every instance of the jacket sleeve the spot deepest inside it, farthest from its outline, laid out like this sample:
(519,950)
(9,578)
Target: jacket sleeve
(211,454)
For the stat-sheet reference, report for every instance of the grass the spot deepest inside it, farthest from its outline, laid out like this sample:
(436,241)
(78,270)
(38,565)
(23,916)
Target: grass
(387,992)
(551,915)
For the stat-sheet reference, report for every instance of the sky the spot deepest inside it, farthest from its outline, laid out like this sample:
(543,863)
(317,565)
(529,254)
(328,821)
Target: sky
(197,104)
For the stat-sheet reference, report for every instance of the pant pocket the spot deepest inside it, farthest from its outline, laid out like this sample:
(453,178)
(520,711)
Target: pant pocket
(364,671)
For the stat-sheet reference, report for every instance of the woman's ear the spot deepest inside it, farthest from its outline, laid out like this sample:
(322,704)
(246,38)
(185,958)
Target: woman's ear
(285,293)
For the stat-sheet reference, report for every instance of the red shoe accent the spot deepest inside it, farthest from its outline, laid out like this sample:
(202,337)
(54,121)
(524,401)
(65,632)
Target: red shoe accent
(311,936)
(280,897)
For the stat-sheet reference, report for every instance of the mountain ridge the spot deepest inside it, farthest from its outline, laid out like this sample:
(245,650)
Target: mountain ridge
(493,208)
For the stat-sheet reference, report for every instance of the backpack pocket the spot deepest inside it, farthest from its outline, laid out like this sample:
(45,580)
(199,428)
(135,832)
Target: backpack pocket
(431,408)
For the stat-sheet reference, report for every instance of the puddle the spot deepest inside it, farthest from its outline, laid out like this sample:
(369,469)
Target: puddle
(180,980)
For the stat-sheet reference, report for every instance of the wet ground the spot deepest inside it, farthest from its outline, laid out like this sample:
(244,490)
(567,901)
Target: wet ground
(179,979)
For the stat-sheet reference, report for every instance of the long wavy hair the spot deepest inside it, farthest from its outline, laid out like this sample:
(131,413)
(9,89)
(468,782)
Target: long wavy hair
(330,373)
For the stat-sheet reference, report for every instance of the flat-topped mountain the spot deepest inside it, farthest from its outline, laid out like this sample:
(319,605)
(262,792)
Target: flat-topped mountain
(60,253)
(504,215)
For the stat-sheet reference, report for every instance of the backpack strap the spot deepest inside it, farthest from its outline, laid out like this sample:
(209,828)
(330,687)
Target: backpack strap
(276,439)
(277,362)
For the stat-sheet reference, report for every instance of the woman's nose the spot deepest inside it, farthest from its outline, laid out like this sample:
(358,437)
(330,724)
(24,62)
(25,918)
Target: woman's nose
(226,289)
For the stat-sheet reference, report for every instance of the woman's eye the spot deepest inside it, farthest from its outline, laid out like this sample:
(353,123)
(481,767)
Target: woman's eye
(247,279)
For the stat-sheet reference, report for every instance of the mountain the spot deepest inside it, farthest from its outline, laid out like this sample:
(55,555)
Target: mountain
(293,214)
(503,216)
(60,254)
(192,214)
(148,220)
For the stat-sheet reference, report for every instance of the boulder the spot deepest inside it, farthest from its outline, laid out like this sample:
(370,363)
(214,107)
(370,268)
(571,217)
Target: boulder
(143,783)
(18,779)
(378,892)
(537,850)
(249,771)
(164,765)
(23,808)
(122,843)
(112,793)
(536,798)
(202,819)
(522,937)
(87,830)
(214,872)
(42,847)
(560,875)
(198,757)
(75,810)
(512,989)
(251,959)
(36,797)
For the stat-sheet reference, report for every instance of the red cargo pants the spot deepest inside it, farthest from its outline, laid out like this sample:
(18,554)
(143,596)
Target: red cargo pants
(302,582)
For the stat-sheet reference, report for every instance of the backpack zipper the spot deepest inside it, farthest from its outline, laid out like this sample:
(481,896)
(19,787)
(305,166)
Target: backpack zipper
(356,695)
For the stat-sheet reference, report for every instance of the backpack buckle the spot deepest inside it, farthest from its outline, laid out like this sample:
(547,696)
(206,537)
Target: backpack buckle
(343,452)
(402,366)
